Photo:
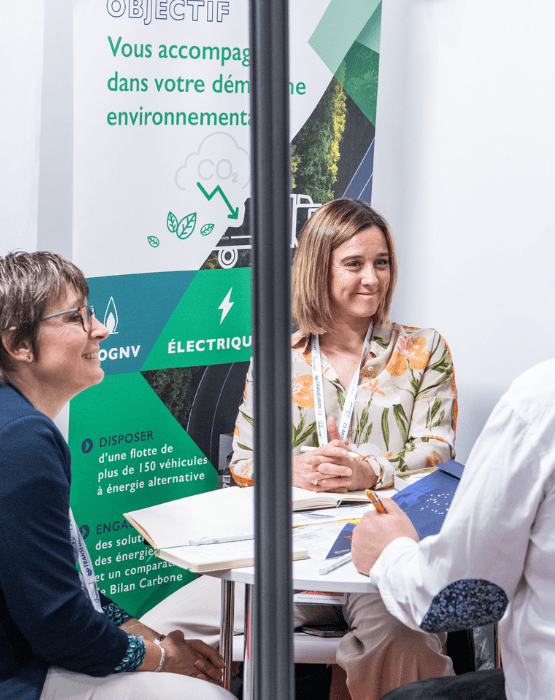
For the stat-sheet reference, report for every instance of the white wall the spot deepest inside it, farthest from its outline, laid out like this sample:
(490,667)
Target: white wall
(36,126)
(55,195)
(21,50)
(465,173)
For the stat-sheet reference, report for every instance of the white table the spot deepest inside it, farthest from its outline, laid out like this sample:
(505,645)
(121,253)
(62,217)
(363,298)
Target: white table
(345,579)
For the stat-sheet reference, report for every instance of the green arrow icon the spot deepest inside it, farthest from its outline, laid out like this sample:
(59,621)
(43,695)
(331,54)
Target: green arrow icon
(234,212)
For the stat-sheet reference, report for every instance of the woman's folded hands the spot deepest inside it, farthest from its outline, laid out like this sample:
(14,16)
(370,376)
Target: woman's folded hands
(332,467)
(188,657)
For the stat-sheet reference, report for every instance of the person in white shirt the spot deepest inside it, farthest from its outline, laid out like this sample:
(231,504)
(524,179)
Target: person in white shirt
(494,558)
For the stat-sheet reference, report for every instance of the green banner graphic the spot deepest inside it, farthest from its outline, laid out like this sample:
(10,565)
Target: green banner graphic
(134,308)
(211,324)
(129,455)
(339,27)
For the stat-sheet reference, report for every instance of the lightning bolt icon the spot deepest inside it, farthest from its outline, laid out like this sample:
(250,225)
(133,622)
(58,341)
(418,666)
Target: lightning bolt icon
(226,305)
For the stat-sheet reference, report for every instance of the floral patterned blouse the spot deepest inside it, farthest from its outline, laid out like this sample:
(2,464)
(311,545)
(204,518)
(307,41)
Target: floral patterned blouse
(405,410)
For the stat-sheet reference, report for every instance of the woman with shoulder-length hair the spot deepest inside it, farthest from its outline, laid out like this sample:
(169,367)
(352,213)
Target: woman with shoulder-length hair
(59,636)
(386,402)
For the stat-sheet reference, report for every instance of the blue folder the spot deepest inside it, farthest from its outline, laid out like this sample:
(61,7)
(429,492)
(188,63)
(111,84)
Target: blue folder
(427,501)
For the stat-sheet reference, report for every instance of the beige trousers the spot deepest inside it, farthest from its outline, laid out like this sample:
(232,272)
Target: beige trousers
(378,653)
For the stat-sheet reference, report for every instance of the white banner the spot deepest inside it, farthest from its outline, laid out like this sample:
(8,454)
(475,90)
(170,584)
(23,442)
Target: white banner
(162,126)
(161,190)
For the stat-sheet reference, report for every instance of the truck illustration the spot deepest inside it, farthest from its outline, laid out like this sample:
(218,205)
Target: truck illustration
(236,239)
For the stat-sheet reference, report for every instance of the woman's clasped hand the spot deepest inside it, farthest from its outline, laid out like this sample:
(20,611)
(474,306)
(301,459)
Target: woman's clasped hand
(332,467)
(188,657)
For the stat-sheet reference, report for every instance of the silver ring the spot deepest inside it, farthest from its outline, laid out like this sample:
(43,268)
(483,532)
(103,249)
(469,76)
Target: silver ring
(315,482)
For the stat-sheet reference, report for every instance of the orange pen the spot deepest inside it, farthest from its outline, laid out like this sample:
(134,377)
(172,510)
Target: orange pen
(375,500)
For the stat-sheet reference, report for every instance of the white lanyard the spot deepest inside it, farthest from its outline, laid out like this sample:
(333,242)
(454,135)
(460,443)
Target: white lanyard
(86,574)
(318,386)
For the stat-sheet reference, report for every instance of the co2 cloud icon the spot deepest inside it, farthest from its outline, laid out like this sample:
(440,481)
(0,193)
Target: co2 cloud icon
(218,161)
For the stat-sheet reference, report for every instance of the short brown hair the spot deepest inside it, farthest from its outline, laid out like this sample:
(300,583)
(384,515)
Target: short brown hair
(330,226)
(28,283)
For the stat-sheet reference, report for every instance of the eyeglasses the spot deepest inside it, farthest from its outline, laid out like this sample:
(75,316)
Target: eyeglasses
(86,314)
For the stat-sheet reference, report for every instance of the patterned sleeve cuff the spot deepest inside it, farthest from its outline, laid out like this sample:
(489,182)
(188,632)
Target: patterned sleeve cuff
(383,470)
(242,472)
(134,657)
(464,604)
(114,613)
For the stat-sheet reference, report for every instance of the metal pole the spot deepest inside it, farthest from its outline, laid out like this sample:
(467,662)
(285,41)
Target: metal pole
(248,690)
(270,158)
(226,629)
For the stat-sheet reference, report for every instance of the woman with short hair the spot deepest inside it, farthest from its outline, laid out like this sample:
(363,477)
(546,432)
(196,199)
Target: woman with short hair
(387,398)
(59,636)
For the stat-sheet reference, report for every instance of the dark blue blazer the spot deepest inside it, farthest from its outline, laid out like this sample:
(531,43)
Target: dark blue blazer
(45,617)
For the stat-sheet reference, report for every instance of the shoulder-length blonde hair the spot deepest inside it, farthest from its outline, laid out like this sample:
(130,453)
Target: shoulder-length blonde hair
(330,226)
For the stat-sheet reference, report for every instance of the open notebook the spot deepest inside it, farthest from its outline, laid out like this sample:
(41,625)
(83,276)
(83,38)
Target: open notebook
(228,555)
(195,531)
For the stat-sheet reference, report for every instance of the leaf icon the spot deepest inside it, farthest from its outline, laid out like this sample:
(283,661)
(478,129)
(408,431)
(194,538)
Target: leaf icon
(186,226)
(154,242)
(206,229)
(172,222)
